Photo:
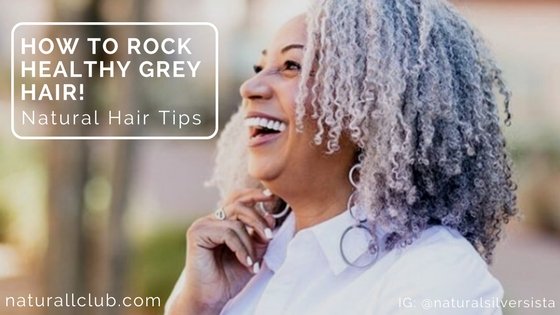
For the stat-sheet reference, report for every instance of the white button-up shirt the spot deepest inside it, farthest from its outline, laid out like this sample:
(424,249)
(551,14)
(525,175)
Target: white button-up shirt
(439,273)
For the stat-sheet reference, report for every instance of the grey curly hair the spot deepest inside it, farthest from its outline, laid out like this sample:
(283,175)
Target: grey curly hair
(412,84)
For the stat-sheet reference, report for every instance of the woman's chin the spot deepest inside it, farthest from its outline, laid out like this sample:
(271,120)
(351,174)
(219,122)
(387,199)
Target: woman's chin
(263,177)
(264,174)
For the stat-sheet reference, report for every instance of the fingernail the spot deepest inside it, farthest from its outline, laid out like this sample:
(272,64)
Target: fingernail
(249,261)
(268,233)
(256,267)
(267,192)
(249,230)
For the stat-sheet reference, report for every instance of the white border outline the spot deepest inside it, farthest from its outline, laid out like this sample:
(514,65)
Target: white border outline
(116,137)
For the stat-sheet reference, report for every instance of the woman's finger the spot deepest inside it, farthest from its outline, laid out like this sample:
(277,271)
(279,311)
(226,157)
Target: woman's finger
(229,233)
(239,228)
(238,194)
(249,196)
(253,219)
(253,197)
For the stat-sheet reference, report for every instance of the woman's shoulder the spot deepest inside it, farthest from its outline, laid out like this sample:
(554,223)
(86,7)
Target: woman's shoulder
(440,265)
(442,247)
(439,251)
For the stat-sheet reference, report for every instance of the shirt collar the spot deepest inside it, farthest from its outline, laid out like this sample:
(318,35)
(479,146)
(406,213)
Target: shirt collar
(327,234)
(276,251)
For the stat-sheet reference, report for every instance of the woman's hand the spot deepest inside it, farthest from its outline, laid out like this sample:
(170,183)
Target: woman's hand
(222,255)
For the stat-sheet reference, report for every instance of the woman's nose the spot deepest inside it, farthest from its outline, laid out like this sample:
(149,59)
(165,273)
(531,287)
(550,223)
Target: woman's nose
(255,88)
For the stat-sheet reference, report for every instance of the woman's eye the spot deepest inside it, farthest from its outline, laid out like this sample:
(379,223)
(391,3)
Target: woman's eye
(257,68)
(292,65)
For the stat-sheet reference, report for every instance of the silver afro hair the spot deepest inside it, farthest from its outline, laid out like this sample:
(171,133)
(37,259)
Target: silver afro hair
(414,86)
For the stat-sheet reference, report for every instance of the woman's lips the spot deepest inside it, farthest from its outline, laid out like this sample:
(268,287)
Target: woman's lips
(263,139)
(264,129)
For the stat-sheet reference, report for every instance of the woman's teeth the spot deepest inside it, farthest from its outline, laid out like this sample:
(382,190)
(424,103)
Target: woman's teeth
(261,122)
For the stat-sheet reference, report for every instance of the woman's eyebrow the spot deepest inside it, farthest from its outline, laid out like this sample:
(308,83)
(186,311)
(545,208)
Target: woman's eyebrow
(291,46)
(286,48)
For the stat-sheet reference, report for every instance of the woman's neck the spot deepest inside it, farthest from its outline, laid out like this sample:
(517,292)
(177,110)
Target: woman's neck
(316,201)
(322,207)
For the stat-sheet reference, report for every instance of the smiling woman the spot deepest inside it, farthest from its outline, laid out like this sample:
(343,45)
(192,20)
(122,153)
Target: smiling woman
(364,173)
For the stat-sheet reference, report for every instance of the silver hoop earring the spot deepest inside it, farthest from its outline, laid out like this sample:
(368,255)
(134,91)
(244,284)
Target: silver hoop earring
(279,215)
(355,231)
(354,169)
(352,209)
(359,229)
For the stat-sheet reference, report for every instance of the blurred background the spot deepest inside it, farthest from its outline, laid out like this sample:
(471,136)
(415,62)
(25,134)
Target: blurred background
(110,216)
